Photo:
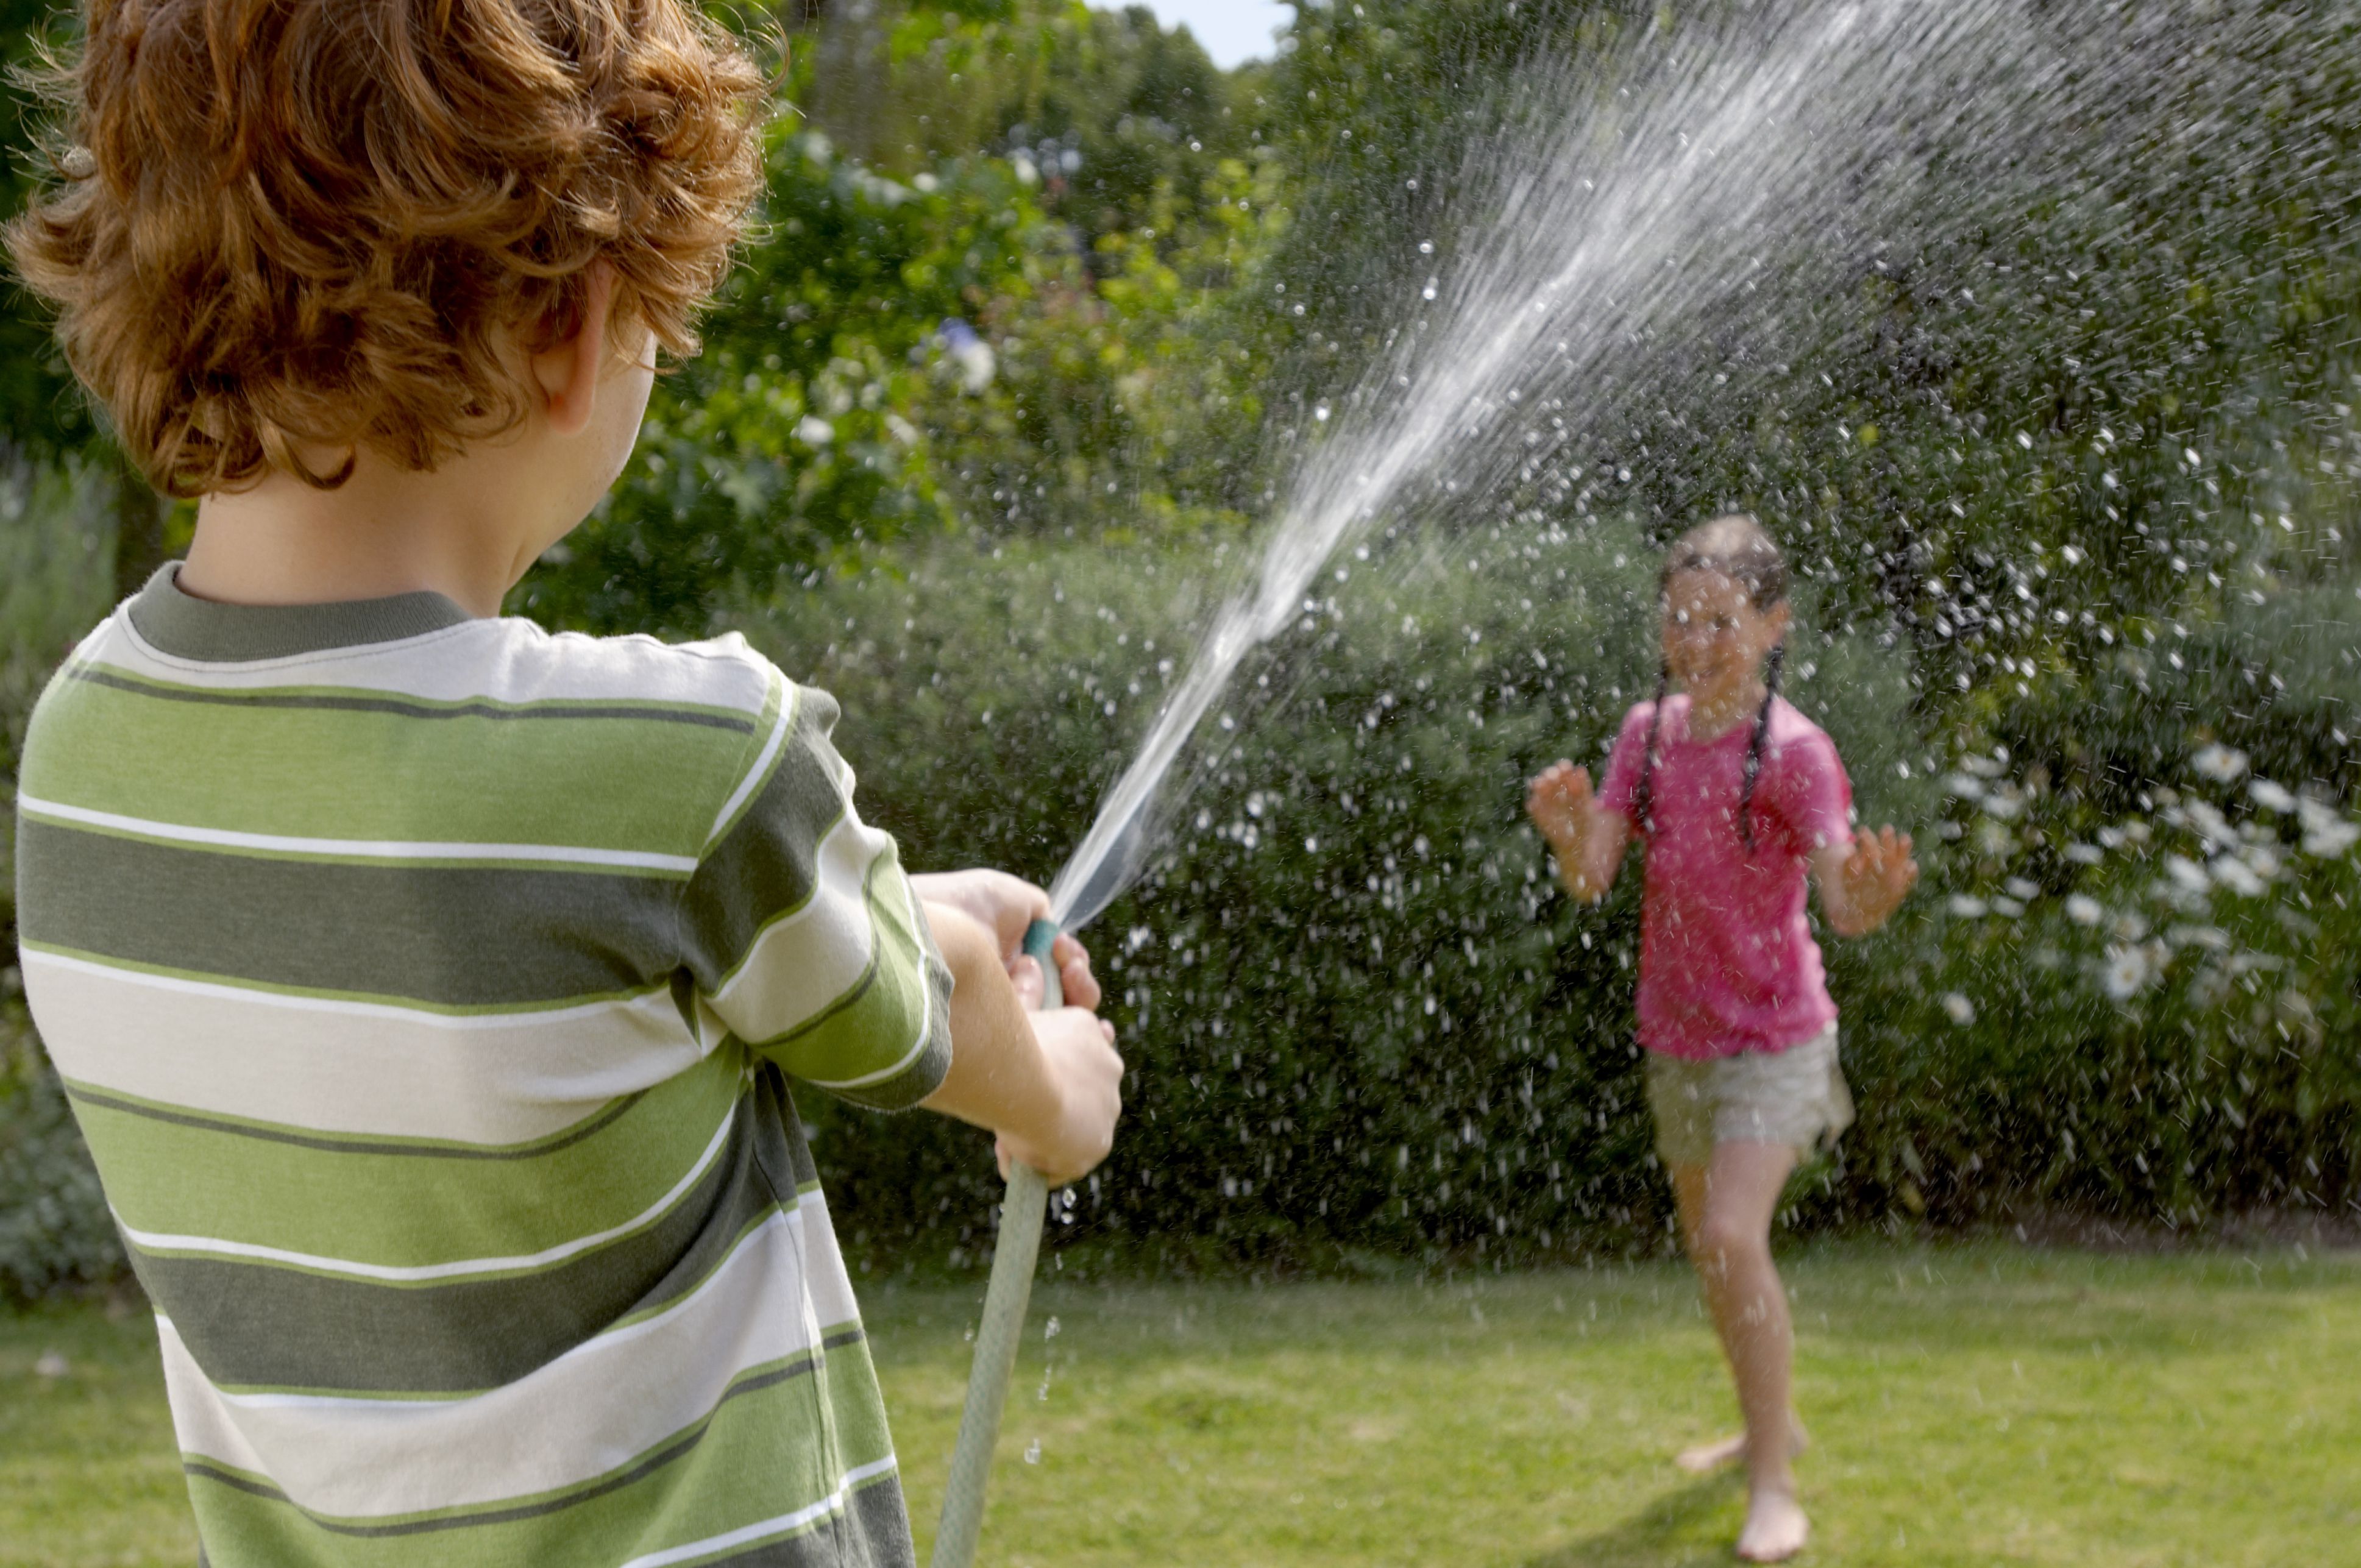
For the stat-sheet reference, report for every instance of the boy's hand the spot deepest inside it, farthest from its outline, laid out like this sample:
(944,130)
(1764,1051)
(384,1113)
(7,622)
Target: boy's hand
(1050,1085)
(1560,802)
(1006,906)
(1877,875)
(1078,1050)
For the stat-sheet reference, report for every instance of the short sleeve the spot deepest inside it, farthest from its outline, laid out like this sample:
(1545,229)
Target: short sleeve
(799,931)
(1808,794)
(1619,790)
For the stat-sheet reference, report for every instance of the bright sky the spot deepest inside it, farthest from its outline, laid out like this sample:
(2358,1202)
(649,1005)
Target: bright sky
(1231,30)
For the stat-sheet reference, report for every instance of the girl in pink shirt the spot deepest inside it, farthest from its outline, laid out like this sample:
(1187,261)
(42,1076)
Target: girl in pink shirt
(1743,804)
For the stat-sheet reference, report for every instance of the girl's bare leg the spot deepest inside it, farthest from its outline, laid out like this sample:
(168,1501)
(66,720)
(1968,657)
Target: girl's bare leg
(1726,1211)
(1704,1458)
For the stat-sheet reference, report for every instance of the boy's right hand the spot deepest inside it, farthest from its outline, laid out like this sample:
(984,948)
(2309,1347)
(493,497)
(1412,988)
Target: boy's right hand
(1560,802)
(1078,1050)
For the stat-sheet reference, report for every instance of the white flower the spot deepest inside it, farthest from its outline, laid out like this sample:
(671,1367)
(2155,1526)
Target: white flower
(2332,842)
(2270,797)
(2085,854)
(1962,1011)
(1968,907)
(2186,871)
(2007,906)
(2022,889)
(2084,910)
(2216,827)
(2325,833)
(977,365)
(2219,762)
(2127,972)
(814,431)
(2237,876)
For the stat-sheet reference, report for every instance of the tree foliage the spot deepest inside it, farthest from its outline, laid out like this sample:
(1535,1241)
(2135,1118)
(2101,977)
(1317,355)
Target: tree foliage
(900,356)
(42,410)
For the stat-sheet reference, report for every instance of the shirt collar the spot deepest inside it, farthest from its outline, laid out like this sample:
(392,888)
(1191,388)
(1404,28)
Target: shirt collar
(177,622)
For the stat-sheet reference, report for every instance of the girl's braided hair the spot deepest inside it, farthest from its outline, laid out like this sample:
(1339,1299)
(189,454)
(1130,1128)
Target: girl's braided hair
(1736,545)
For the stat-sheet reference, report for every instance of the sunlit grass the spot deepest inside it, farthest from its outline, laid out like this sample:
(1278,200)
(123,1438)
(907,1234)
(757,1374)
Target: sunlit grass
(88,1472)
(1971,1406)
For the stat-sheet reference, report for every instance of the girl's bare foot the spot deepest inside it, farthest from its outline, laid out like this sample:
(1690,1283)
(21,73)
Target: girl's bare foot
(1776,1527)
(1707,1457)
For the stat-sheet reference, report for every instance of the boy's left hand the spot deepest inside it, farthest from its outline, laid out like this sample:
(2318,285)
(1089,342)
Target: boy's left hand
(1007,906)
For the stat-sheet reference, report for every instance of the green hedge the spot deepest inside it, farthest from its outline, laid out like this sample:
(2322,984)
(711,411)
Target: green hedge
(1360,1019)
(57,577)
(1363,1024)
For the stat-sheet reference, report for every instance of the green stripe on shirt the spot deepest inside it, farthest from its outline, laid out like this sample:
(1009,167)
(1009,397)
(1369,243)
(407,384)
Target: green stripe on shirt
(199,1177)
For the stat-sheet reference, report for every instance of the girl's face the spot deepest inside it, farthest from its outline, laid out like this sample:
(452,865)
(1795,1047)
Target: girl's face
(1714,637)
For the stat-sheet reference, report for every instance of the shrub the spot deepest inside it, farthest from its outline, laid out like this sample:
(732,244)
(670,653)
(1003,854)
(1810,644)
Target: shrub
(55,1229)
(1360,1018)
(56,564)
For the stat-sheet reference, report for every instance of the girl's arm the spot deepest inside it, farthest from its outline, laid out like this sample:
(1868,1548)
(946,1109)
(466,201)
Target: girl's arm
(1863,879)
(1586,838)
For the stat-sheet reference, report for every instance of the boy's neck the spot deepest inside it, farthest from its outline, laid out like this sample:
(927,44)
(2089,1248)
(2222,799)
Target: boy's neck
(455,532)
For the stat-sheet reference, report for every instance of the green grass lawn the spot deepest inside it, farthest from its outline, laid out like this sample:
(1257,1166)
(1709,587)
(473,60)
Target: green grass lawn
(1971,1405)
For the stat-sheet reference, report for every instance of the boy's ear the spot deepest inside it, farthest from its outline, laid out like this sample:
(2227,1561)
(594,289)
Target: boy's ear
(568,373)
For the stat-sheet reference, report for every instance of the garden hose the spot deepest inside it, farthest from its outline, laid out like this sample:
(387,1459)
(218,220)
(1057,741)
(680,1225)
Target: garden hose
(1022,1213)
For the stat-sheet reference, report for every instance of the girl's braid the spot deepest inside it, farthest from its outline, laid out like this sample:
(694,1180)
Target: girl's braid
(1643,795)
(1770,669)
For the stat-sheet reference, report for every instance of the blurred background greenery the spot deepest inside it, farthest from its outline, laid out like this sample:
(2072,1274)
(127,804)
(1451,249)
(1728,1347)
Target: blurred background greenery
(1022,349)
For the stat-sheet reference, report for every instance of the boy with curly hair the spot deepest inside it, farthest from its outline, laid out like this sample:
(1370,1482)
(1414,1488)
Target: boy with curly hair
(428,986)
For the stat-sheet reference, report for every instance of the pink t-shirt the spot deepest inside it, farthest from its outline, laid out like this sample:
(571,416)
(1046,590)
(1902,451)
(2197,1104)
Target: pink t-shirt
(1727,959)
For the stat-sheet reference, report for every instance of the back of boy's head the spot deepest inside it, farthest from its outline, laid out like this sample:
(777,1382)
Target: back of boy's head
(332,223)
(1736,545)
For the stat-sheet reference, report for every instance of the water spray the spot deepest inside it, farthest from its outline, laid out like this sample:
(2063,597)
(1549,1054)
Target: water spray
(1763,140)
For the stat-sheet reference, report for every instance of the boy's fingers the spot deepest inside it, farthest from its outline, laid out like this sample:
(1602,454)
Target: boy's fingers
(1024,972)
(1078,983)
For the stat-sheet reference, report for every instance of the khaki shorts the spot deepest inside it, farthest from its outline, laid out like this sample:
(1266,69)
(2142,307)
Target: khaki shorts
(1797,1096)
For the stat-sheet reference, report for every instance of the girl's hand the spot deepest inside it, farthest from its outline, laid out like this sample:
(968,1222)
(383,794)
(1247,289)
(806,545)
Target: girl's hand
(1560,802)
(1877,876)
(1586,839)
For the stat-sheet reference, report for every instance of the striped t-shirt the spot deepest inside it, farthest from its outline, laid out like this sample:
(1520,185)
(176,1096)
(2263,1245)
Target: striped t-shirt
(428,989)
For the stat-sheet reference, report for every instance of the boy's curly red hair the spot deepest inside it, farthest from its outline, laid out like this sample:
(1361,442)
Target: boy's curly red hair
(330,223)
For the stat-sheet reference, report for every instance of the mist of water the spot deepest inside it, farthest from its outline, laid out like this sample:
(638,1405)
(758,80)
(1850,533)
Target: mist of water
(1618,217)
